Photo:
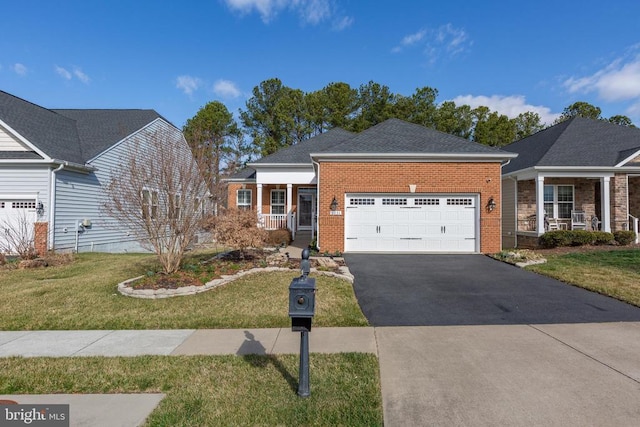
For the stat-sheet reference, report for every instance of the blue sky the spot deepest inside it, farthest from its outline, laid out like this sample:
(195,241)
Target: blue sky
(175,57)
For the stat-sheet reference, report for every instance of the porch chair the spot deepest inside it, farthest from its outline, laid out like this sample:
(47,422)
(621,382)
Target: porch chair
(552,224)
(578,221)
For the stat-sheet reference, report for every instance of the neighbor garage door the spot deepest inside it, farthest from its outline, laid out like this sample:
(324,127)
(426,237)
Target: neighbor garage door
(16,222)
(415,223)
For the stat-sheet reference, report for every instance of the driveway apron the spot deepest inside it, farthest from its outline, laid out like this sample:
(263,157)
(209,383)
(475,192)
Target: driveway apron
(469,341)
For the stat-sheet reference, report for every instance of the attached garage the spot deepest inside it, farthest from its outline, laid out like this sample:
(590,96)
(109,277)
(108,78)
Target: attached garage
(408,223)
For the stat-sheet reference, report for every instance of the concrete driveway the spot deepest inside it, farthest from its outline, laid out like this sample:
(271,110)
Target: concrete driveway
(492,345)
(427,290)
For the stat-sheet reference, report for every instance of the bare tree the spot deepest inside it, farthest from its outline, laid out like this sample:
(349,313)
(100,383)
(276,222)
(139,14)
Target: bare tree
(158,191)
(18,236)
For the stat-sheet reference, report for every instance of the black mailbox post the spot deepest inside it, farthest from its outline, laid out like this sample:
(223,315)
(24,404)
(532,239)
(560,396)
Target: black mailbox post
(302,306)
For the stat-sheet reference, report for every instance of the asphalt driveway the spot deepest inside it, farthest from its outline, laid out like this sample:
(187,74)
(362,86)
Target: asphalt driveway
(430,290)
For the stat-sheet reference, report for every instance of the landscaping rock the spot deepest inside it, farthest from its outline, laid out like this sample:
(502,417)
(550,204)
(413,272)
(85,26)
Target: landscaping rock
(277,258)
(326,262)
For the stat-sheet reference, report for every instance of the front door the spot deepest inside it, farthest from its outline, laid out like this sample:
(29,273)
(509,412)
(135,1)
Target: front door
(306,207)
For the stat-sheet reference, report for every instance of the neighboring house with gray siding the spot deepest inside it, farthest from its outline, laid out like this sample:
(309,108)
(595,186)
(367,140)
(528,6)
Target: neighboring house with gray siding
(54,165)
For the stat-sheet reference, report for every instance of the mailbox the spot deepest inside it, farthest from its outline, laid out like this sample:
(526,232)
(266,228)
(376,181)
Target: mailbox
(302,303)
(302,298)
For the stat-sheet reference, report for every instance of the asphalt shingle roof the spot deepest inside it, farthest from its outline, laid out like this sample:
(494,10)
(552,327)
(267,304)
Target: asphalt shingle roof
(398,136)
(71,135)
(300,152)
(575,142)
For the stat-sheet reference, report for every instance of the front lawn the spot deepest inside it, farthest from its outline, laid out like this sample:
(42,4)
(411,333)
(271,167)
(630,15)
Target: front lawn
(83,295)
(221,390)
(614,273)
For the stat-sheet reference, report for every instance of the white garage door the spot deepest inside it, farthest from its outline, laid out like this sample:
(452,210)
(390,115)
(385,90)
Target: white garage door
(414,223)
(16,222)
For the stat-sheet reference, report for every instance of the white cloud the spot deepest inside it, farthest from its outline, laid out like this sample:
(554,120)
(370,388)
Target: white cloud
(64,73)
(20,69)
(226,89)
(618,81)
(342,23)
(81,76)
(437,41)
(311,11)
(69,75)
(510,106)
(188,84)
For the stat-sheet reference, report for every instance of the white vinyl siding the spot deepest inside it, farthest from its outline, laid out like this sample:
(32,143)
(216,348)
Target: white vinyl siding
(10,143)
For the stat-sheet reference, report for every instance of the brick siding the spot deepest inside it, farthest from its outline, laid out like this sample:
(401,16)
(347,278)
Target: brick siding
(339,178)
(41,237)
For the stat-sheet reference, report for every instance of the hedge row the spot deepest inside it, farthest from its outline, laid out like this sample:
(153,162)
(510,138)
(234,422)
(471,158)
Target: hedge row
(556,238)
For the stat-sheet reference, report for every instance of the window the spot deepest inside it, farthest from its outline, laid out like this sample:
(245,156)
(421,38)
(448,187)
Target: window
(244,199)
(149,204)
(174,206)
(277,202)
(558,201)
(198,207)
(387,202)
(359,202)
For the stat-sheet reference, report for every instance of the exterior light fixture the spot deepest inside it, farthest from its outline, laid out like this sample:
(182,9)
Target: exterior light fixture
(334,204)
(491,204)
(40,209)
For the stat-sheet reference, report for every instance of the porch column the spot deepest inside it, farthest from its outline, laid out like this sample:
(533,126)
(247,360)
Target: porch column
(289,205)
(540,205)
(605,197)
(259,199)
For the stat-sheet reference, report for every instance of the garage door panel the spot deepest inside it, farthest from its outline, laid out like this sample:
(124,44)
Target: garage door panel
(413,223)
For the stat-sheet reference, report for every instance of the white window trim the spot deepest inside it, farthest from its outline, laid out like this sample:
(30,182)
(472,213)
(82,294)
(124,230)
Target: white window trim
(244,205)
(283,204)
(150,210)
(556,202)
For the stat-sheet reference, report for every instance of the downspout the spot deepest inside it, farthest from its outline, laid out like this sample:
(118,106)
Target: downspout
(317,213)
(52,199)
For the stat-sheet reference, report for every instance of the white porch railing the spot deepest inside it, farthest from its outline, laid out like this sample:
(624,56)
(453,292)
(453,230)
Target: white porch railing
(278,221)
(633,225)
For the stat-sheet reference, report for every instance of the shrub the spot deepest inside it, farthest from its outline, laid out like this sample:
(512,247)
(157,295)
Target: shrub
(624,237)
(557,238)
(279,237)
(602,238)
(237,228)
(554,239)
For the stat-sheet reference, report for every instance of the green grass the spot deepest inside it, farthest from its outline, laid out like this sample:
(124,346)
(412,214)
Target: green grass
(613,273)
(83,295)
(220,390)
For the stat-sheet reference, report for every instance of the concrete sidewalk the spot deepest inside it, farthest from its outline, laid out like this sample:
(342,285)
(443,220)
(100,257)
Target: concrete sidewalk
(580,374)
(183,342)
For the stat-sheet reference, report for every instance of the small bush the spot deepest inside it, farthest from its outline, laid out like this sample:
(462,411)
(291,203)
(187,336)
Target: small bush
(554,239)
(279,237)
(558,238)
(624,237)
(602,238)
(581,237)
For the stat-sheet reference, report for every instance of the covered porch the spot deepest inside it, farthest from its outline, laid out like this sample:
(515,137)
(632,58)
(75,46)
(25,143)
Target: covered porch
(287,206)
(604,200)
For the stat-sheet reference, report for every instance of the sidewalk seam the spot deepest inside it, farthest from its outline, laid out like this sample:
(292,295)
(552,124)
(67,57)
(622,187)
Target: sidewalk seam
(584,354)
(275,342)
(111,332)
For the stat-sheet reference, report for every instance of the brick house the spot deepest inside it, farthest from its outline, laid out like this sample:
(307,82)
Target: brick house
(395,187)
(579,165)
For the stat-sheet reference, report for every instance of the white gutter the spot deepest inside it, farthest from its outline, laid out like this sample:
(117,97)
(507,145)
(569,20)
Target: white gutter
(52,200)
(414,157)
